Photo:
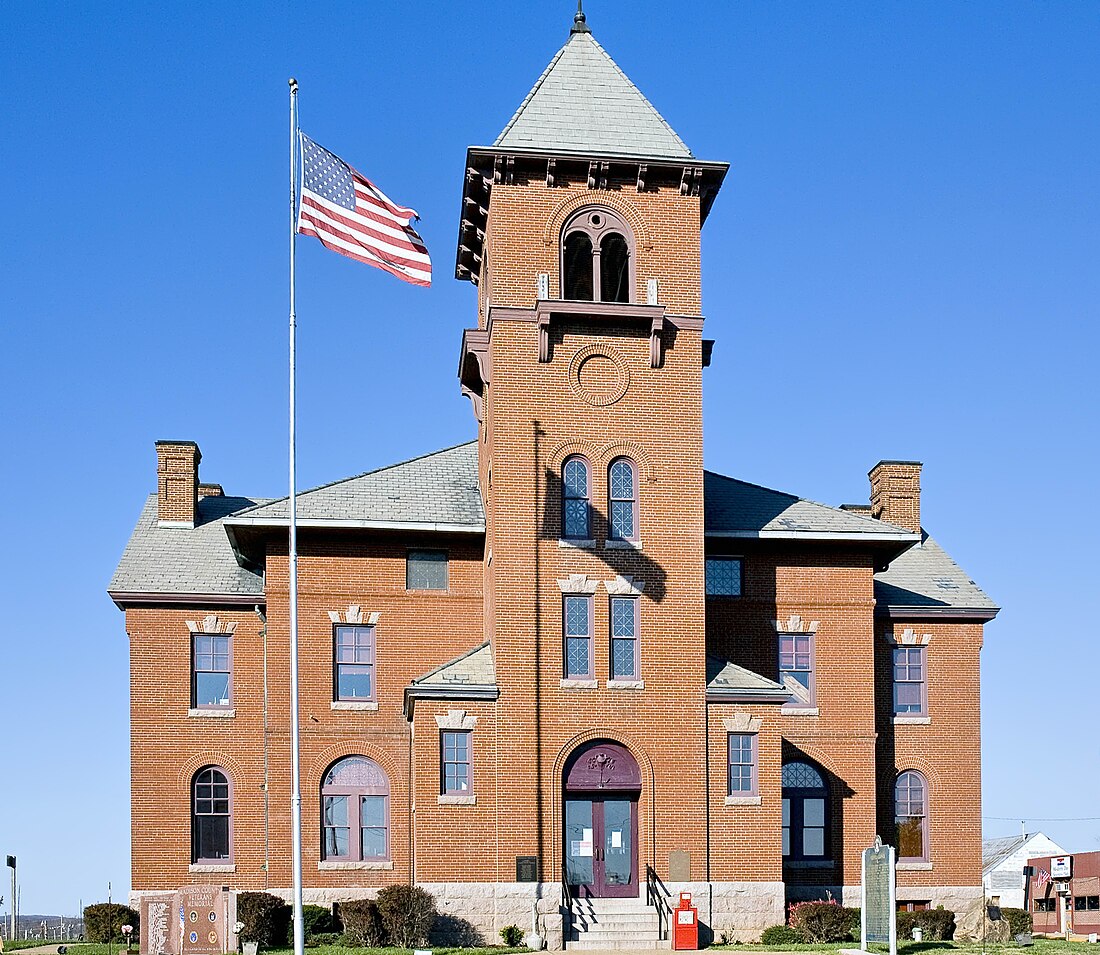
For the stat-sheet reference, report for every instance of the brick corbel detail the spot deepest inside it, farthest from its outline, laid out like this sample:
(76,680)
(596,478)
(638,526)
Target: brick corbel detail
(456,720)
(795,624)
(908,638)
(354,614)
(579,584)
(625,586)
(741,723)
(211,624)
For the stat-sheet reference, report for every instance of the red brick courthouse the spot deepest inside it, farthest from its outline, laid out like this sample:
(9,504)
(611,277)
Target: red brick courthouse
(563,650)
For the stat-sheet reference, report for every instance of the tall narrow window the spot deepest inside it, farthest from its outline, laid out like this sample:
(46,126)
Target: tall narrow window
(597,257)
(455,762)
(575,510)
(622,500)
(911,816)
(211,670)
(355,811)
(353,663)
(796,667)
(211,816)
(614,269)
(910,689)
(742,765)
(578,638)
(805,813)
(624,638)
(577,283)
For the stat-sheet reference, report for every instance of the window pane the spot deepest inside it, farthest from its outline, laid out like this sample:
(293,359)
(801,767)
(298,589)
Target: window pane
(576,518)
(910,837)
(614,269)
(813,842)
(577,657)
(353,682)
(374,843)
(623,665)
(622,616)
(213,837)
(786,812)
(801,776)
(211,689)
(426,570)
(576,616)
(813,812)
(359,772)
(337,842)
(622,519)
(373,811)
(336,810)
(577,281)
(622,481)
(786,841)
(723,577)
(575,478)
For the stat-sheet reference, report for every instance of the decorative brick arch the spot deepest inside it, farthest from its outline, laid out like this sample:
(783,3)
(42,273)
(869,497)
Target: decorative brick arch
(209,758)
(646,804)
(330,754)
(592,197)
(819,757)
(628,449)
(922,766)
(566,449)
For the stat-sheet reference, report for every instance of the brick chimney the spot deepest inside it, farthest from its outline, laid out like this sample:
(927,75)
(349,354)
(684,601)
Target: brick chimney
(895,493)
(177,483)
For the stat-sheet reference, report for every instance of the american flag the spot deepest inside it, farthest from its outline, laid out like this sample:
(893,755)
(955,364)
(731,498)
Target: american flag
(1044,877)
(352,216)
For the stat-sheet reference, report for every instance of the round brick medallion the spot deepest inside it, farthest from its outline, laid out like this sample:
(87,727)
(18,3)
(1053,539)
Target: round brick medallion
(598,375)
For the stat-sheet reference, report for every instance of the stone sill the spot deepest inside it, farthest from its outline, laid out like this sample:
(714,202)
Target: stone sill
(357,705)
(742,800)
(335,866)
(799,711)
(201,867)
(196,713)
(567,543)
(914,866)
(457,799)
(622,545)
(578,684)
(810,864)
(626,684)
(912,720)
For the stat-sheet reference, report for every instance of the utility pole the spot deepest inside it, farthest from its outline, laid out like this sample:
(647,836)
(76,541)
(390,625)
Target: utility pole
(14,896)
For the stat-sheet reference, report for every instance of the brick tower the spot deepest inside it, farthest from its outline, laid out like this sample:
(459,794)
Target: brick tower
(580,228)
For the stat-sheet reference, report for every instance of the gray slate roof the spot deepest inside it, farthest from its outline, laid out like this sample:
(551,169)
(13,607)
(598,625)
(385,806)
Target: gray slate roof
(737,509)
(435,490)
(926,577)
(583,103)
(178,560)
(723,676)
(473,668)
(995,851)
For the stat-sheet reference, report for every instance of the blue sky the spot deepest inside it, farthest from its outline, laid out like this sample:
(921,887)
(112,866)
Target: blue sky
(902,263)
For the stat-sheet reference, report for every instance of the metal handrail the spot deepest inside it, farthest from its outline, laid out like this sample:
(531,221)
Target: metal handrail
(567,905)
(656,896)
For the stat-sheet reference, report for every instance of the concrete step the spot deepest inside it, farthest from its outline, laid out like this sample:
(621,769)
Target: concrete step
(611,935)
(620,945)
(611,905)
(642,920)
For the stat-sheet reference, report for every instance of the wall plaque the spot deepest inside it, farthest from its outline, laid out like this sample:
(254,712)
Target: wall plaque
(527,868)
(679,866)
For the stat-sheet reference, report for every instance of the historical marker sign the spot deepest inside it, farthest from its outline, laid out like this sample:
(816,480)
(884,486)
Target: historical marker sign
(527,868)
(879,906)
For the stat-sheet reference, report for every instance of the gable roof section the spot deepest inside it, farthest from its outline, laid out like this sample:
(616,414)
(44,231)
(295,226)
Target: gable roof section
(925,580)
(735,508)
(437,491)
(470,676)
(583,103)
(174,562)
(728,681)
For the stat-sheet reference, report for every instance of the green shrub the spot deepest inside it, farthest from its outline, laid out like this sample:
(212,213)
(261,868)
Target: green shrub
(781,935)
(265,919)
(820,921)
(362,924)
(855,924)
(325,938)
(1019,920)
(103,922)
(408,914)
(937,925)
(512,935)
(319,920)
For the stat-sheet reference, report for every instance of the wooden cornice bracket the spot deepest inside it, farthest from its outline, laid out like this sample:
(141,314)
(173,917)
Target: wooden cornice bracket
(656,342)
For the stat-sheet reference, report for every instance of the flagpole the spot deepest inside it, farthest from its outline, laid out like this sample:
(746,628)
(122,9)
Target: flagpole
(295,778)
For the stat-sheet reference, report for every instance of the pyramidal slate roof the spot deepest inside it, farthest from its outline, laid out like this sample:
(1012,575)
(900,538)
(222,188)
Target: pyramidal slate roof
(437,491)
(472,668)
(583,103)
(926,578)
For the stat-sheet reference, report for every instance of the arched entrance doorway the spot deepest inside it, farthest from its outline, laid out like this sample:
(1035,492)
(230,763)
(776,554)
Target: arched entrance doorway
(600,842)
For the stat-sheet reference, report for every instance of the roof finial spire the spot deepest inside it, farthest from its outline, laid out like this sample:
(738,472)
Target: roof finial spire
(579,24)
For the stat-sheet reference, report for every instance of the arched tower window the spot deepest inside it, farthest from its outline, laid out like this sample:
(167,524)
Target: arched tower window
(575,500)
(597,257)
(211,816)
(622,494)
(805,813)
(355,811)
(911,815)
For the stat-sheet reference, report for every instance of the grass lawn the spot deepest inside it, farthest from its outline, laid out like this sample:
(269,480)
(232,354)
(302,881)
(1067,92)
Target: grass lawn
(97,949)
(1042,946)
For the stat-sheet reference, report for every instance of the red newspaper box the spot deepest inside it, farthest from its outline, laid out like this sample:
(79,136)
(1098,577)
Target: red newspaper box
(685,925)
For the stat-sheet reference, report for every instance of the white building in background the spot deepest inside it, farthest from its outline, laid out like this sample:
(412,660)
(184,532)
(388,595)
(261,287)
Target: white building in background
(1003,862)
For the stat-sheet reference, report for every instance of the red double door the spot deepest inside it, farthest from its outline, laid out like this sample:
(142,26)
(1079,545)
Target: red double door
(601,845)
